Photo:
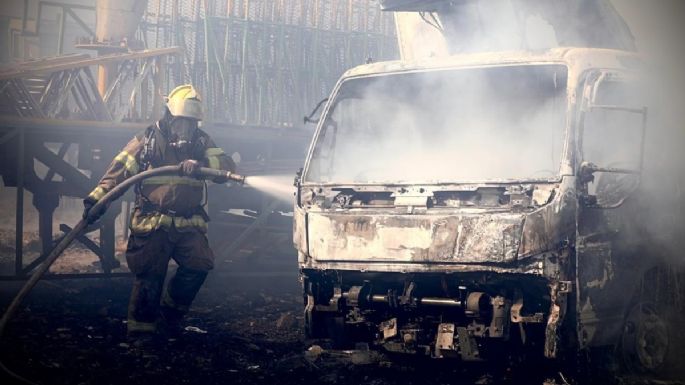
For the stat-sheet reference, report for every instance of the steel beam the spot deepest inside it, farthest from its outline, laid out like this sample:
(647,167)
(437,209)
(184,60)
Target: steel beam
(104,128)
(70,174)
(60,153)
(6,137)
(64,91)
(78,21)
(237,274)
(61,127)
(80,62)
(50,277)
(106,261)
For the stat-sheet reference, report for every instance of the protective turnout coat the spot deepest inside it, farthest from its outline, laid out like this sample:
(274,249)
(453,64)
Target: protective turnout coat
(164,201)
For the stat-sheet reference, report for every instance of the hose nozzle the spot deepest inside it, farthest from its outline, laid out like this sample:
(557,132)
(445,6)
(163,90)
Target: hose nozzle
(236,178)
(211,173)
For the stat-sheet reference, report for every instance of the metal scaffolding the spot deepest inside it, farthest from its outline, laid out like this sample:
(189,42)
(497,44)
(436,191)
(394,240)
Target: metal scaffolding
(256,62)
(266,62)
(64,87)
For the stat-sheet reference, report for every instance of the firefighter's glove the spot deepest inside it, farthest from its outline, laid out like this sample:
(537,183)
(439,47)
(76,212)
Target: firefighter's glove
(190,167)
(88,204)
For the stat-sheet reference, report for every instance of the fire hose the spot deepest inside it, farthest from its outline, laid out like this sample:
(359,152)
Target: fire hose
(93,214)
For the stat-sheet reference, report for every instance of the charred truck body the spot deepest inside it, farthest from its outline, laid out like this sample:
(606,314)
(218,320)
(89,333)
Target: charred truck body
(477,204)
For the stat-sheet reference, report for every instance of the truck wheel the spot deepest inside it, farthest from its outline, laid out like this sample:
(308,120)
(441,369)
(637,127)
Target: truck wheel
(644,339)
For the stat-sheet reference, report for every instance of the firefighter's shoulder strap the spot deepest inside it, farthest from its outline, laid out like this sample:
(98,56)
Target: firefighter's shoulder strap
(200,141)
(147,154)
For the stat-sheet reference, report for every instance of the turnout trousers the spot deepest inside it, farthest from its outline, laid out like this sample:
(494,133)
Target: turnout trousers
(148,258)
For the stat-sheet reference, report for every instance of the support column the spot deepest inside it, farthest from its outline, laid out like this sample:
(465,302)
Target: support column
(46,204)
(19,217)
(61,30)
(104,78)
(108,237)
(158,77)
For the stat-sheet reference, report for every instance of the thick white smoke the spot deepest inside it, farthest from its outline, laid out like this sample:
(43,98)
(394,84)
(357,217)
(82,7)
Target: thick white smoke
(447,126)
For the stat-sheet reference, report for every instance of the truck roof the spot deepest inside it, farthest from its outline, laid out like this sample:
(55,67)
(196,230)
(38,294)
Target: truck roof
(577,60)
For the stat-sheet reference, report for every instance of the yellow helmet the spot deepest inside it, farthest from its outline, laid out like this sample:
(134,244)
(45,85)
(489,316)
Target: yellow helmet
(185,101)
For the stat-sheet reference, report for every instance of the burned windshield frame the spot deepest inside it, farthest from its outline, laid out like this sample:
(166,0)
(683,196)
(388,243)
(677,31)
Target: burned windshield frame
(513,91)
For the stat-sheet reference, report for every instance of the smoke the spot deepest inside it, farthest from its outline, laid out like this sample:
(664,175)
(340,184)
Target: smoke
(499,25)
(446,126)
(658,31)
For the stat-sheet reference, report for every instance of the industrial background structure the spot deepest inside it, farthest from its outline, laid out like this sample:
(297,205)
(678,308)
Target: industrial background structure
(73,91)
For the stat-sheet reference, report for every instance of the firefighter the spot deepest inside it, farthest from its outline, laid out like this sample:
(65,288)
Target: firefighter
(168,220)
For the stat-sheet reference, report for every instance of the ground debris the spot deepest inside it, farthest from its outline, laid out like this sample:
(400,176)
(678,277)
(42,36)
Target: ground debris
(286,320)
(313,353)
(195,329)
(234,344)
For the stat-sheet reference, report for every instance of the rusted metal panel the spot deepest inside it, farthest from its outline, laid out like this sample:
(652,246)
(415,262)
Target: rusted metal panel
(527,266)
(554,223)
(490,238)
(300,232)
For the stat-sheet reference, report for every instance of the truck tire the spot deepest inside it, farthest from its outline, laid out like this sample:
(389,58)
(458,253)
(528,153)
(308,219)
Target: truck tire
(645,339)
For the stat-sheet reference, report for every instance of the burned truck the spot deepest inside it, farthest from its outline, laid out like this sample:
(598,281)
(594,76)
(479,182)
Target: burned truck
(476,205)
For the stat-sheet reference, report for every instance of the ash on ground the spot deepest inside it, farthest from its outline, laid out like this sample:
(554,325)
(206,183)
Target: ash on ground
(245,327)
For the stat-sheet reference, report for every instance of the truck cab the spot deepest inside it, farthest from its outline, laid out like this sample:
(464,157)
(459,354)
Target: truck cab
(474,204)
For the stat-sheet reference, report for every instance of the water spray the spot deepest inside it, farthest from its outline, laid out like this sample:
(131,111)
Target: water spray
(276,186)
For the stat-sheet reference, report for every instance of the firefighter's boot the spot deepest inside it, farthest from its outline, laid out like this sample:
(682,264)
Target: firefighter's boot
(180,293)
(143,307)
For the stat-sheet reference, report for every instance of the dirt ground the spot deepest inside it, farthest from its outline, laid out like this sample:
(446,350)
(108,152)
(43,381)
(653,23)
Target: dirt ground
(245,327)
